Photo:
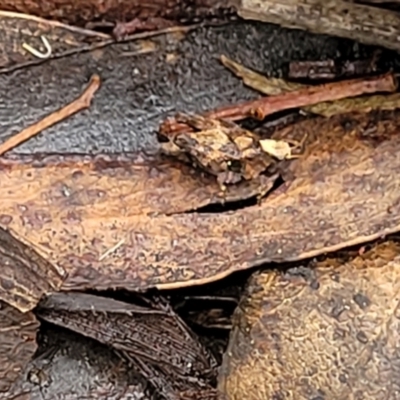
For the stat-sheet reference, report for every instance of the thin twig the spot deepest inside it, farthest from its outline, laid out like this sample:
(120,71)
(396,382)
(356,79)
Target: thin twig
(111,250)
(272,86)
(305,96)
(81,103)
(320,93)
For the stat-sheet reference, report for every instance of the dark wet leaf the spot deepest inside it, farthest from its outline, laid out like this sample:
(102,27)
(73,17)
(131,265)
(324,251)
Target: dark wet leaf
(165,350)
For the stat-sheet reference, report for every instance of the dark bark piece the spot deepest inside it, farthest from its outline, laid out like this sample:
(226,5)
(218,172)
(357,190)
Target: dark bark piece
(157,341)
(25,276)
(78,12)
(69,366)
(335,320)
(331,69)
(324,209)
(17,343)
(369,25)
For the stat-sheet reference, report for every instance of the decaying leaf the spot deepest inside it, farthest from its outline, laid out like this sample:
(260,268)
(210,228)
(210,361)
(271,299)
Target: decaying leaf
(276,148)
(343,193)
(337,320)
(153,336)
(17,343)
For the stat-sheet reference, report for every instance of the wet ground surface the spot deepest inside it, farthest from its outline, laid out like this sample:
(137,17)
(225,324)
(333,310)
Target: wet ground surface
(138,91)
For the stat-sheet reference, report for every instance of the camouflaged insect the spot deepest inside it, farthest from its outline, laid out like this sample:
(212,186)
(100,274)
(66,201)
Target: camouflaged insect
(221,148)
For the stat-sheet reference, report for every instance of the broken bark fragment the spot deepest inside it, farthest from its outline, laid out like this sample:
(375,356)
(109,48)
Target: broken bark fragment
(17,343)
(271,86)
(344,161)
(331,69)
(365,24)
(221,148)
(159,340)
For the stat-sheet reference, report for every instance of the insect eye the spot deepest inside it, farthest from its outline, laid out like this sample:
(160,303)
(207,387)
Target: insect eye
(235,166)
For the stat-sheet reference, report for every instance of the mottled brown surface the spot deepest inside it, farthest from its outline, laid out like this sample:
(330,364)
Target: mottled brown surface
(84,186)
(17,343)
(344,194)
(327,330)
(25,276)
(78,12)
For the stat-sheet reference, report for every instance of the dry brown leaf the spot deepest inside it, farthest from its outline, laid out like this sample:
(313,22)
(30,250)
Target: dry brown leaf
(343,194)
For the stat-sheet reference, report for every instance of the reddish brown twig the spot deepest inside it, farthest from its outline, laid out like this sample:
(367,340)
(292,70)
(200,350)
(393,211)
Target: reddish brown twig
(82,102)
(318,94)
(308,96)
